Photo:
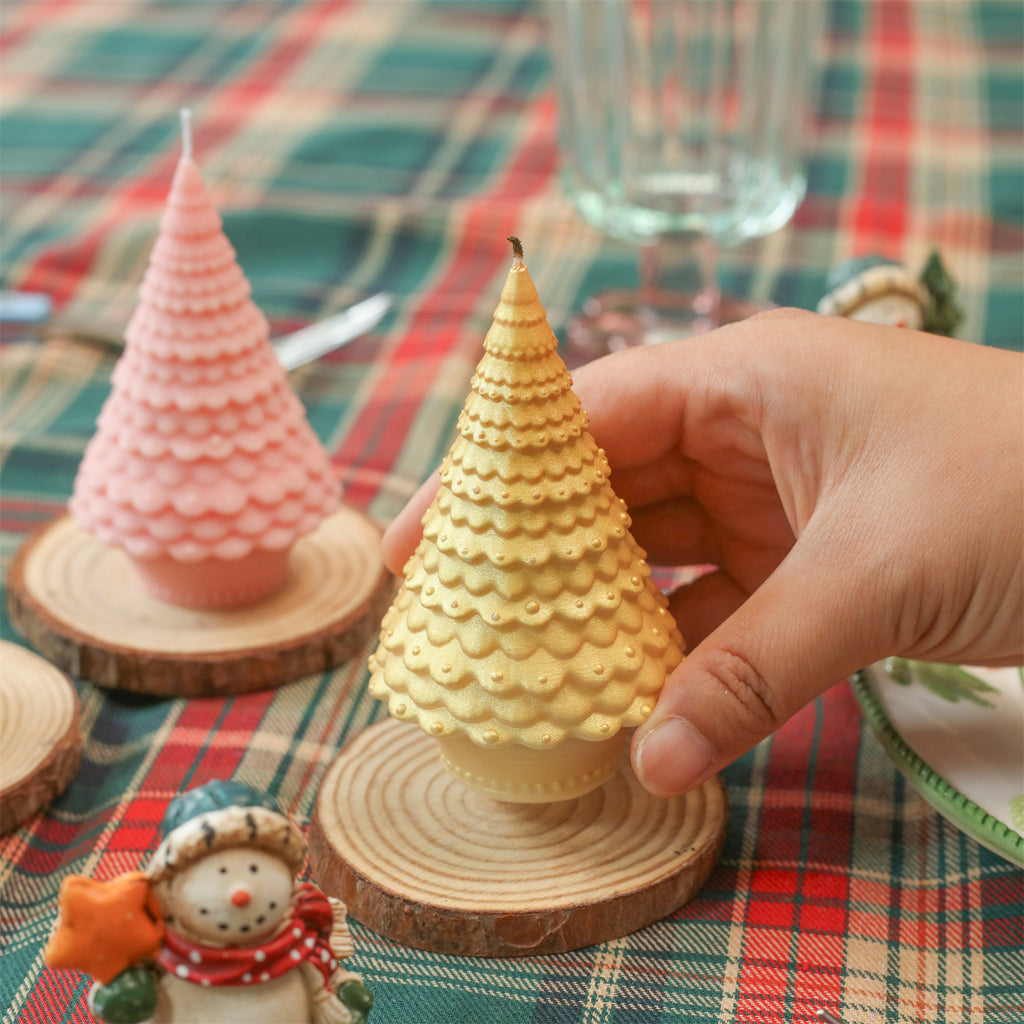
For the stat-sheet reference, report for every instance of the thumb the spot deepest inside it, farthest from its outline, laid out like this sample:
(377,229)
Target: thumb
(805,628)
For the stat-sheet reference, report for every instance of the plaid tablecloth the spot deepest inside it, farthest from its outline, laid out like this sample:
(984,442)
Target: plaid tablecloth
(357,145)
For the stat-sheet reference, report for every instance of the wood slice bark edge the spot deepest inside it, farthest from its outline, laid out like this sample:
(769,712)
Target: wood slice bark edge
(56,757)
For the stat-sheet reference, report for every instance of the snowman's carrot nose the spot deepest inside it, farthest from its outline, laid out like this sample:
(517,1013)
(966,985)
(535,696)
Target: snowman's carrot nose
(240,897)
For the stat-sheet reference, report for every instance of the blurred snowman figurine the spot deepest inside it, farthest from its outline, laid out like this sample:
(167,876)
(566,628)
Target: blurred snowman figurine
(217,930)
(883,292)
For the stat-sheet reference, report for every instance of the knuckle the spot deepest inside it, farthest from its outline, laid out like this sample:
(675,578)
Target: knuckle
(746,687)
(782,313)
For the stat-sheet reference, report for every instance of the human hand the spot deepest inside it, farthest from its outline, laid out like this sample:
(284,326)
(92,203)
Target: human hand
(858,489)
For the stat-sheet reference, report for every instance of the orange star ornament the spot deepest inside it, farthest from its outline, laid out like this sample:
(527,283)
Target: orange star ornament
(105,926)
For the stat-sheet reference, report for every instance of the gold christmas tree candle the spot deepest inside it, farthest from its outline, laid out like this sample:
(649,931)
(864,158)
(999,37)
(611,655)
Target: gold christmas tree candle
(528,634)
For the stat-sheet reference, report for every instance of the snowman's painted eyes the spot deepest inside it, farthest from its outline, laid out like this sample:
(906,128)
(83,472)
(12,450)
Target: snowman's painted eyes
(203,911)
(254,868)
(223,871)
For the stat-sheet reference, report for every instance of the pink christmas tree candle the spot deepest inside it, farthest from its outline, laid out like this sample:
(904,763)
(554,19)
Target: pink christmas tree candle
(203,468)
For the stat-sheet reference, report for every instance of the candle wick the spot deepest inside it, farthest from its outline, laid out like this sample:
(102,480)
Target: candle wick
(186,133)
(517,246)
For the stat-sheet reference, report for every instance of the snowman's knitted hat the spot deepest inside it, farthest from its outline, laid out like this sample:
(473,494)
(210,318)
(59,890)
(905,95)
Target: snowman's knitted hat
(220,815)
(860,280)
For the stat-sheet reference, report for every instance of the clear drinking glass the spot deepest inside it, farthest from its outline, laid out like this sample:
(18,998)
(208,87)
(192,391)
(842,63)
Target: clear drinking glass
(680,129)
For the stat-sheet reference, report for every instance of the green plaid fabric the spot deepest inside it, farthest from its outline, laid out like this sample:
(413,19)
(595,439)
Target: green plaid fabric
(363,145)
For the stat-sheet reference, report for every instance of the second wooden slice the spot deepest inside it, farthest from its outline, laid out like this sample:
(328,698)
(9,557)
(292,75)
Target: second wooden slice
(81,604)
(40,734)
(418,857)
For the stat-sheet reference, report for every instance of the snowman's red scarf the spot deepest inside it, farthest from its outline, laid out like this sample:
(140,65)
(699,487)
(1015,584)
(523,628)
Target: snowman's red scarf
(304,938)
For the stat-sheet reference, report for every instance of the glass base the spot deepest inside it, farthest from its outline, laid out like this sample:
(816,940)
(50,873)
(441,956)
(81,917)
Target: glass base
(615,320)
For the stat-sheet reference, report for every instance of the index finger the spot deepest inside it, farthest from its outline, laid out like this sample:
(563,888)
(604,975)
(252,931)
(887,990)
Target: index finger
(698,396)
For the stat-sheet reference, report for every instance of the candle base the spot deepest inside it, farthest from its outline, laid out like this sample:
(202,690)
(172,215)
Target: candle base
(526,775)
(214,583)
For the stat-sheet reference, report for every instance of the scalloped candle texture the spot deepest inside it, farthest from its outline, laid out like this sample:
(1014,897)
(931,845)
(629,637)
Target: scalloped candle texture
(202,450)
(528,614)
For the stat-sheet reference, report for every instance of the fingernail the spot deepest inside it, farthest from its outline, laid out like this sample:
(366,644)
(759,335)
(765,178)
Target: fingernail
(673,757)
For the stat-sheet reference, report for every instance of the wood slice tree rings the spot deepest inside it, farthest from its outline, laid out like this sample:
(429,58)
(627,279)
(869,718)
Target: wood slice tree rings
(81,604)
(420,858)
(39,734)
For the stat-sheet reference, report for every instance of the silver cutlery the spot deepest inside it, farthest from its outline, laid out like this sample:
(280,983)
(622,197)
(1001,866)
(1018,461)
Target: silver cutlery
(31,311)
(318,339)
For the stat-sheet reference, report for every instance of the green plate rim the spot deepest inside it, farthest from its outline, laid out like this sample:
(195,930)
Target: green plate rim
(963,812)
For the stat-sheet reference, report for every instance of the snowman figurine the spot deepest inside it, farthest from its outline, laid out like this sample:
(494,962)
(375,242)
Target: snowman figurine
(882,291)
(234,938)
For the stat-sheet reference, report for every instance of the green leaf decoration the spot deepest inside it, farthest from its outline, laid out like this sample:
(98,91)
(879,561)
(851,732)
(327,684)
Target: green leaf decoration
(942,314)
(950,682)
(1017,812)
(899,671)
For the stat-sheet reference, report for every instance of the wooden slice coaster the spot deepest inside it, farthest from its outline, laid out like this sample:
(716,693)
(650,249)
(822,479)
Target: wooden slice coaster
(81,604)
(418,857)
(39,734)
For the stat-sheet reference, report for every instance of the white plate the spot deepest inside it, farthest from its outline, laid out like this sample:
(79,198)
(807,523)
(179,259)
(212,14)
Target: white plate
(957,733)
